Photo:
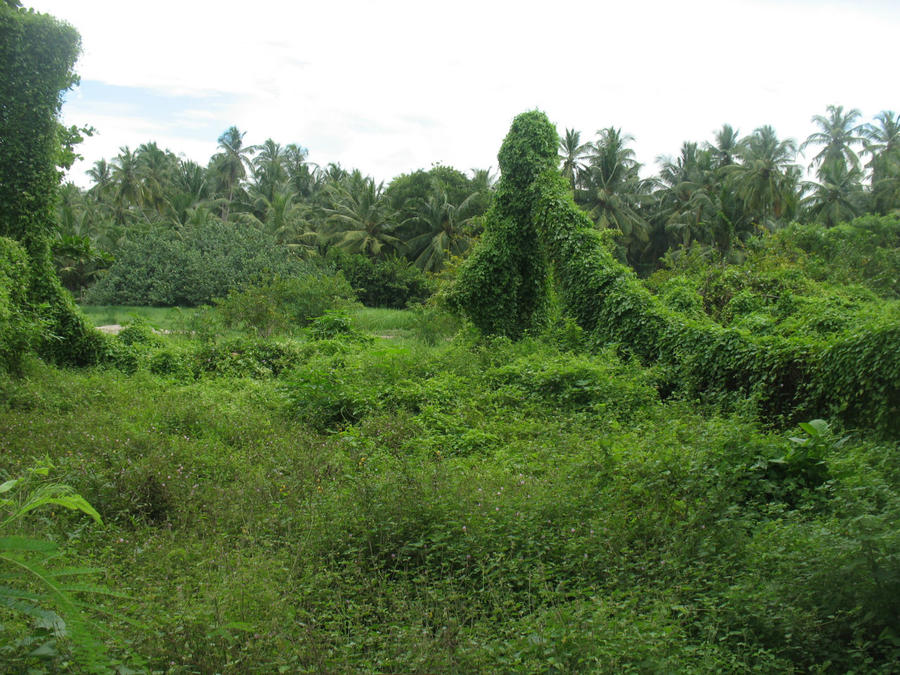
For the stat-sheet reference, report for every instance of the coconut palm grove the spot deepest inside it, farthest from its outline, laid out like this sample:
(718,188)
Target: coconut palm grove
(560,415)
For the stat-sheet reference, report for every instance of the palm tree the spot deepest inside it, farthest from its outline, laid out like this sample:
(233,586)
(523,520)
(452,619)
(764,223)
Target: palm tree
(101,175)
(286,220)
(189,191)
(883,138)
(301,175)
(269,170)
(571,153)
(837,198)
(726,147)
(483,180)
(231,164)
(443,230)
(688,201)
(192,179)
(883,145)
(360,219)
(155,169)
(766,180)
(613,190)
(129,191)
(837,136)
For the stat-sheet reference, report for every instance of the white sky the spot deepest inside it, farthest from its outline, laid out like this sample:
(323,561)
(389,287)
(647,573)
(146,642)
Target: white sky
(392,86)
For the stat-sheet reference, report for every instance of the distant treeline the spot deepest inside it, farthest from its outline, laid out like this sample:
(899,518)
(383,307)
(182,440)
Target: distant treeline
(717,194)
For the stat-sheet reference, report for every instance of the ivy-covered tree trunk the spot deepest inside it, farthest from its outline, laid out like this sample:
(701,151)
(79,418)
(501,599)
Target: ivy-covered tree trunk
(503,287)
(37,55)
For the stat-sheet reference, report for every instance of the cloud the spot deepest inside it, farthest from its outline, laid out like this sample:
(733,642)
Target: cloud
(393,86)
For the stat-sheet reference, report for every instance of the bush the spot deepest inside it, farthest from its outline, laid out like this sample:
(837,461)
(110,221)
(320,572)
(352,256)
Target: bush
(137,331)
(325,396)
(394,283)
(281,305)
(191,266)
(333,326)
(865,250)
(573,382)
(246,357)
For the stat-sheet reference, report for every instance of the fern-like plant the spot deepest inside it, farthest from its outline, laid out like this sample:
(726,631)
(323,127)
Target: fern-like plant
(36,589)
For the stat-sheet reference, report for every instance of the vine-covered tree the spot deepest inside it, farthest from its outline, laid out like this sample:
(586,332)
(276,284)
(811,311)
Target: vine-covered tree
(37,56)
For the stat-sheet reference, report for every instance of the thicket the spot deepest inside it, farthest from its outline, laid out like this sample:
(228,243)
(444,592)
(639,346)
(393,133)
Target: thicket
(789,284)
(190,266)
(285,305)
(864,251)
(855,376)
(393,282)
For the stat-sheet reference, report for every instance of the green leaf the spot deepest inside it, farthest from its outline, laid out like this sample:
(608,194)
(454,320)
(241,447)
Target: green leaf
(815,428)
(9,485)
(70,501)
(17,543)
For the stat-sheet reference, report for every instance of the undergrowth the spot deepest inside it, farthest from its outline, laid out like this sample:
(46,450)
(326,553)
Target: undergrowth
(462,506)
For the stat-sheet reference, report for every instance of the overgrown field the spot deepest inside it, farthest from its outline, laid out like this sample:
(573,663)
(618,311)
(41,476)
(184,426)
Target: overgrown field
(440,502)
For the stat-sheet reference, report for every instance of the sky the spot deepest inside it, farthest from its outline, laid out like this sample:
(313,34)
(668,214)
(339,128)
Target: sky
(392,86)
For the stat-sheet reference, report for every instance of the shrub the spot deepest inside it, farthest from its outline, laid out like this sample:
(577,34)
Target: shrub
(190,266)
(394,283)
(334,325)
(576,383)
(176,363)
(865,250)
(246,357)
(281,305)
(325,396)
(137,331)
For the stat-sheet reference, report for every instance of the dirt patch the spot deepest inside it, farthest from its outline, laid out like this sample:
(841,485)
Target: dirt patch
(114,329)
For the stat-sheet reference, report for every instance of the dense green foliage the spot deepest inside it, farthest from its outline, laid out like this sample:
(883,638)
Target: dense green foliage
(18,326)
(191,266)
(37,54)
(721,195)
(502,286)
(857,375)
(476,506)
(282,305)
(863,251)
(392,282)
(35,586)
(696,472)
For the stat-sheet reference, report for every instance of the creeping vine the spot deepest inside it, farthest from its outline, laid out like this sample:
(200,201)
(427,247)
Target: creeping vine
(535,229)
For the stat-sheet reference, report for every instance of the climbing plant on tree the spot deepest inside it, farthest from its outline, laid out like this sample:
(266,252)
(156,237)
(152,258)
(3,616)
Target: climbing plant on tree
(37,54)
(502,287)
(534,226)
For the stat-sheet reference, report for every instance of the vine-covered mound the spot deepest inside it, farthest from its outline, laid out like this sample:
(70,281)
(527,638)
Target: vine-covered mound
(535,228)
